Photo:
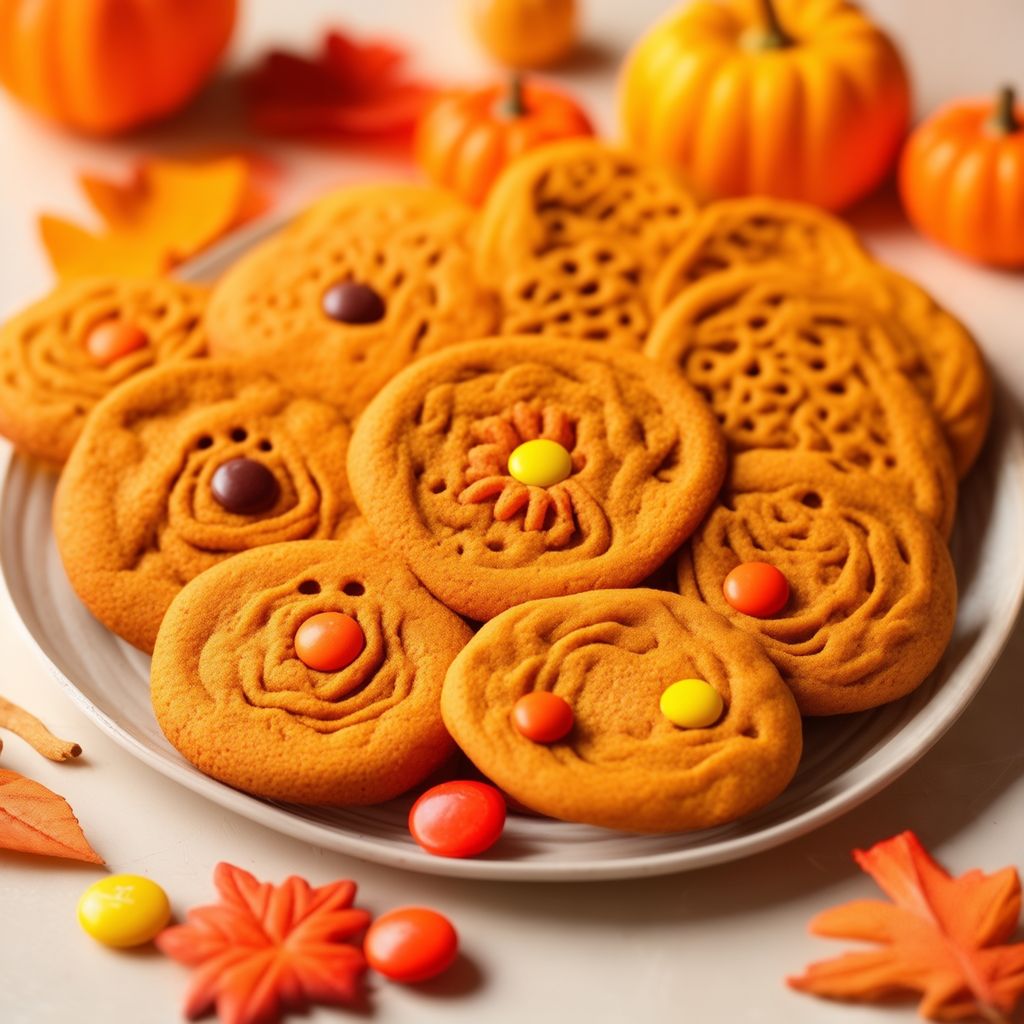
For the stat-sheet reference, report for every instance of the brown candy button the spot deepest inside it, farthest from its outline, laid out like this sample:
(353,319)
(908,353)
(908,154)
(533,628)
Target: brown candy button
(245,487)
(353,303)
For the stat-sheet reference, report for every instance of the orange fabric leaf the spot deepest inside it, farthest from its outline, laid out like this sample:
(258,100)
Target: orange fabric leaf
(940,936)
(266,949)
(35,820)
(168,211)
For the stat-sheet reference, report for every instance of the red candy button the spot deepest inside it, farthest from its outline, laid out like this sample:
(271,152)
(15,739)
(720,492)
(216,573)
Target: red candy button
(411,944)
(329,641)
(458,819)
(542,716)
(111,340)
(756,588)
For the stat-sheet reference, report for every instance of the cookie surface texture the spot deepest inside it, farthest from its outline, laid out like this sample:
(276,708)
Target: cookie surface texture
(230,692)
(872,591)
(435,468)
(402,251)
(611,654)
(571,236)
(49,382)
(787,364)
(145,502)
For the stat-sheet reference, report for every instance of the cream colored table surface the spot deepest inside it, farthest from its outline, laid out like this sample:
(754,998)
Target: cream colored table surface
(709,946)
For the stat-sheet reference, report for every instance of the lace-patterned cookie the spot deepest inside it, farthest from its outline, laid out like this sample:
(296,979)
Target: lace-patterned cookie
(364,283)
(511,469)
(55,365)
(232,692)
(747,232)
(786,364)
(183,466)
(610,655)
(571,236)
(871,584)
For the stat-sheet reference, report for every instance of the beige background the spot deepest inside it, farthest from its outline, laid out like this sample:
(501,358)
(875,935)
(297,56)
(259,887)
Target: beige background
(709,946)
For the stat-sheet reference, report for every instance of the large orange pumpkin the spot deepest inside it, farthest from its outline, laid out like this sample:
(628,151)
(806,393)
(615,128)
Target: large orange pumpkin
(798,99)
(962,179)
(104,66)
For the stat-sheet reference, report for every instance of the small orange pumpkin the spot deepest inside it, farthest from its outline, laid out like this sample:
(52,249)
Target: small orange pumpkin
(466,138)
(104,66)
(962,179)
(524,33)
(798,99)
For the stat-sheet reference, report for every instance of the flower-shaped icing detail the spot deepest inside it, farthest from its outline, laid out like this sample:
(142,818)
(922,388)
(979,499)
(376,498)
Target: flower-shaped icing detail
(487,474)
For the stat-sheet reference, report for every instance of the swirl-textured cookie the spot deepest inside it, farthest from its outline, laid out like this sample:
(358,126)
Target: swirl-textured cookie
(571,235)
(363,283)
(233,690)
(747,232)
(787,364)
(511,469)
(55,364)
(872,591)
(181,467)
(611,655)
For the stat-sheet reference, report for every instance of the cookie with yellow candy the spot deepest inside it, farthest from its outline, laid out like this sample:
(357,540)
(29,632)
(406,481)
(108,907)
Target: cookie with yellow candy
(617,657)
(511,469)
(62,354)
(790,364)
(366,281)
(351,715)
(571,236)
(869,592)
(752,231)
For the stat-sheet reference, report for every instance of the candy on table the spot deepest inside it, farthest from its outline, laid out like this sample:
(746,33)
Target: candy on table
(111,340)
(692,704)
(245,487)
(329,641)
(411,944)
(352,302)
(124,910)
(542,716)
(540,463)
(458,819)
(756,588)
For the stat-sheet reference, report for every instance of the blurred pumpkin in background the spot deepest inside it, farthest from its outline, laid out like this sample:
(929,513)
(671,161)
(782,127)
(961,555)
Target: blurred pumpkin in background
(798,99)
(962,179)
(467,137)
(524,33)
(104,66)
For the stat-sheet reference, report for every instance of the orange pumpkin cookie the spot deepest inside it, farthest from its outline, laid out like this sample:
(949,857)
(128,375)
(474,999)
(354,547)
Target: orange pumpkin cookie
(871,587)
(571,235)
(510,469)
(183,466)
(365,282)
(237,691)
(787,364)
(746,232)
(611,655)
(60,356)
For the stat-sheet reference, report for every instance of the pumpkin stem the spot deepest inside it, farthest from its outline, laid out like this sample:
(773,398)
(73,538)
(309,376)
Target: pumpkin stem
(514,105)
(772,36)
(1004,118)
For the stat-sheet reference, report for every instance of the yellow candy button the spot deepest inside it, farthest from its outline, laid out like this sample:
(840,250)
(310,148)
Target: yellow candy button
(123,910)
(540,463)
(692,704)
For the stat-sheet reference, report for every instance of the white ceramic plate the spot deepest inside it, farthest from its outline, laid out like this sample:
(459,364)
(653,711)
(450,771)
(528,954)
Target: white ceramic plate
(846,760)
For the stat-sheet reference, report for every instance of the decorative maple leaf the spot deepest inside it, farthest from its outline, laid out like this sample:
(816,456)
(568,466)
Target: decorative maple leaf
(266,949)
(940,936)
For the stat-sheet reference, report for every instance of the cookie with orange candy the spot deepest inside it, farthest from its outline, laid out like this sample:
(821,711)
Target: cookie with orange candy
(851,592)
(186,465)
(62,354)
(309,672)
(367,280)
(679,720)
(511,469)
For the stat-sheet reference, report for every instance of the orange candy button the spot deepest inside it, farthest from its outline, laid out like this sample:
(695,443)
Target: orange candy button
(756,588)
(329,641)
(111,340)
(458,819)
(542,716)
(411,944)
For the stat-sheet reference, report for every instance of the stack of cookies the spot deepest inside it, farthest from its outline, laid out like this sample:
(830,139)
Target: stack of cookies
(414,478)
